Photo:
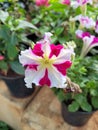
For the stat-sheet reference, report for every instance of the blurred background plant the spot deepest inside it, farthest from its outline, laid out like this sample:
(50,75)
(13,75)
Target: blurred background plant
(63,20)
(52,18)
(84,70)
(13,35)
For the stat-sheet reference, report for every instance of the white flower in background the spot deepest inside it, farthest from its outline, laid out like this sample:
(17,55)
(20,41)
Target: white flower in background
(85,21)
(46,64)
(77,3)
(89,41)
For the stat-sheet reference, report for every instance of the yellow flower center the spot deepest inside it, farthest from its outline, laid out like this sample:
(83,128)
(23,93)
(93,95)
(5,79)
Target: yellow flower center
(46,61)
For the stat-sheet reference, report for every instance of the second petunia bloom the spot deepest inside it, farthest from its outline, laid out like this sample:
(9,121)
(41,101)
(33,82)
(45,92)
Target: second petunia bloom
(89,41)
(46,63)
(66,2)
(42,2)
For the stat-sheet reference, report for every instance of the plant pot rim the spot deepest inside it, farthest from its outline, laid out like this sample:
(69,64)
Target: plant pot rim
(78,112)
(16,86)
(78,118)
(11,77)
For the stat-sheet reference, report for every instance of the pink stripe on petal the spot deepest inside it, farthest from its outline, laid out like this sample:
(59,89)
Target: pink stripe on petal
(45,80)
(84,2)
(42,2)
(95,41)
(85,34)
(67,2)
(80,34)
(96,23)
(55,50)
(34,67)
(37,50)
(96,27)
(63,66)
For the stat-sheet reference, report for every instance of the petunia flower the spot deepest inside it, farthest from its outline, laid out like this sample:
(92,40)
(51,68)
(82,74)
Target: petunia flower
(1,57)
(77,3)
(85,21)
(96,27)
(67,2)
(42,2)
(89,41)
(46,64)
(81,34)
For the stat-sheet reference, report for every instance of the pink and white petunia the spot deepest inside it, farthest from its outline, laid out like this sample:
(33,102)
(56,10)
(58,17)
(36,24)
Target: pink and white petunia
(89,41)
(77,3)
(96,27)
(85,21)
(46,64)
(42,2)
(66,2)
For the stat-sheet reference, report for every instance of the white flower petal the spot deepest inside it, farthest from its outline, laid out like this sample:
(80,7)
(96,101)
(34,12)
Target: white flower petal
(47,36)
(27,57)
(33,76)
(56,78)
(79,33)
(86,45)
(74,4)
(46,49)
(64,55)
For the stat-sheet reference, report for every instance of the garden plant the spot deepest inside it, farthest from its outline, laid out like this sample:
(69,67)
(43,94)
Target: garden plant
(64,53)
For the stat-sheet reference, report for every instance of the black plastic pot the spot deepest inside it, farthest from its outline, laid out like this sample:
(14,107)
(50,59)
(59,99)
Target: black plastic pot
(78,118)
(17,87)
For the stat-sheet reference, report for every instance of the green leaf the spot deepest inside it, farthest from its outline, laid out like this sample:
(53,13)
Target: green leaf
(53,1)
(44,29)
(3,65)
(83,70)
(2,0)
(94,92)
(4,33)
(59,30)
(12,51)
(4,126)
(24,24)
(80,98)
(17,67)
(86,106)
(35,21)
(74,106)
(13,39)
(62,40)
(54,39)
(78,11)
(91,84)
(61,95)
(95,102)
(57,7)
